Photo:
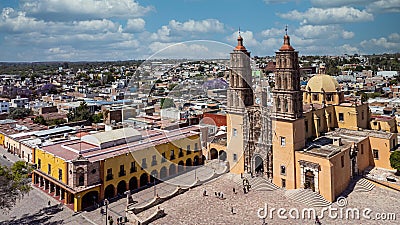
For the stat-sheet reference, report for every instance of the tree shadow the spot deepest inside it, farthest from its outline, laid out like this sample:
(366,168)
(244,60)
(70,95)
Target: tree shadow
(41,217)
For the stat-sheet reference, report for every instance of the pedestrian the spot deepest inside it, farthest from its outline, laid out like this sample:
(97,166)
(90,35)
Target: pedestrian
(232,209)
(215,194)
(49,203)
(219,194)
(204,192)
(244,190)
(222,195)
(317,220)
(234,190)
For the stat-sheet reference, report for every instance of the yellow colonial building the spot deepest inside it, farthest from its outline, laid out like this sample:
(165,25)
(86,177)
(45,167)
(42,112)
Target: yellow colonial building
(319,140)
(81,173)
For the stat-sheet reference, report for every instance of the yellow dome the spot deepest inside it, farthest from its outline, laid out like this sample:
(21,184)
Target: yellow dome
(322,82)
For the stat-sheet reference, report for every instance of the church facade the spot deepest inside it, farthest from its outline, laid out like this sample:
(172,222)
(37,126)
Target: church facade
(311,139)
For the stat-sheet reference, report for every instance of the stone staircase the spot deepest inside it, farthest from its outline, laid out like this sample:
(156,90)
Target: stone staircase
(307,197)
(363,185)
(257,183)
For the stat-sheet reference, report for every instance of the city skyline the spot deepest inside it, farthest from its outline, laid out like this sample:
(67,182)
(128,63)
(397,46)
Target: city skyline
(122,30)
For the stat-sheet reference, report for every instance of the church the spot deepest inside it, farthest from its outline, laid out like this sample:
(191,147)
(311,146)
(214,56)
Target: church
(310,138)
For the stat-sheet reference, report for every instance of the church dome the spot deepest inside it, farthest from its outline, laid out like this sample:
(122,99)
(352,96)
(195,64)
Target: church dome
(322,82)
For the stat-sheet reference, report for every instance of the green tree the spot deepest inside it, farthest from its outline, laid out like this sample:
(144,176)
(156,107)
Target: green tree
(167,103)
(40,120)
(97,118)
(395,161)
(82,112)
(14,184)
(19,113)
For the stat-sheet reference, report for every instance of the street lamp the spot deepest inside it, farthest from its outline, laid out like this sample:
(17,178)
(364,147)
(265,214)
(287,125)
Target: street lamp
(106,204)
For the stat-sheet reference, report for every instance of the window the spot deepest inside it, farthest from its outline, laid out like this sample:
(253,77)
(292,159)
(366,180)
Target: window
(144,164)
(234,131)
(283,170)
(362,149)
(315,97)
(342,160)
(283,141)
(278,105)
(39,166)
(109,174)
(163,158)
(196,146)
(188,150)
(122,170)
(286,107)
(329,97)
(49,169)
(234,157)
(81,180)
(59,174)
(172,155)
(376,154)
(394,143)
(283,183)
(341,117)
(133,167)
(180,154)
(154,160)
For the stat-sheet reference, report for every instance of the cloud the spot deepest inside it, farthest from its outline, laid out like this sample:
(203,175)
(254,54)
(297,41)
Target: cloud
(83,9)
(162,34)
(323,32)
(384,6)
(201,26)
(328,16)
(383,44)
(273,32)
(338,3)
(134,25)
(190,50)
(248,38)
(279,1)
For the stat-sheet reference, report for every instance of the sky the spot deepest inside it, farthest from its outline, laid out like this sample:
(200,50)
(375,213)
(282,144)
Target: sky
(99,30)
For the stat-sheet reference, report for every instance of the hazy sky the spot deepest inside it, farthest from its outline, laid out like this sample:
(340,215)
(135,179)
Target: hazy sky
(73,30)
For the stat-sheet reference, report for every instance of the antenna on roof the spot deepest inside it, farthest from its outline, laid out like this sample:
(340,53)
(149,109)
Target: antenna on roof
(239,31)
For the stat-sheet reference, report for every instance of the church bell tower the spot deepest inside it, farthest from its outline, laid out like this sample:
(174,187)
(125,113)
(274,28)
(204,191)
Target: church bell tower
(287,116)
(239,97)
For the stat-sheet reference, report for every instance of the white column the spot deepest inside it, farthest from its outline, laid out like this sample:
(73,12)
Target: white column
(316,178)
(302,176)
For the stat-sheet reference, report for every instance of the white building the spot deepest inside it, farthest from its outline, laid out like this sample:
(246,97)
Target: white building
(20,102)
(4,106)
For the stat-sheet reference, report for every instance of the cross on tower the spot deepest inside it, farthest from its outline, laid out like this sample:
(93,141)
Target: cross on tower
(286,29)
(239,31)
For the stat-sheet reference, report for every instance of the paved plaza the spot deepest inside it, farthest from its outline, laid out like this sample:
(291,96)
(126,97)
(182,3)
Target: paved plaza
(192,207)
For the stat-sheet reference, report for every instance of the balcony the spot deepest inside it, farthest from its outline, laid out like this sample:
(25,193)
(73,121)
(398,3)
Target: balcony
(122,173)
(109,177)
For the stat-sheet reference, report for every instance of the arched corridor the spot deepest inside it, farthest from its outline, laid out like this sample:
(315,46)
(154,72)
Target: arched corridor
(109,192)
(154,177)
(196,161)
(181,167)
(121,187)
(172,169)
(163,172)
(222,155)
(144,180)
(213,153)
(133,183)
(89,199)
(188,163)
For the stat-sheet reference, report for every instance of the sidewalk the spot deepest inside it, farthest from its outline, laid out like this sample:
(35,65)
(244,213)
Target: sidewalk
(10,157)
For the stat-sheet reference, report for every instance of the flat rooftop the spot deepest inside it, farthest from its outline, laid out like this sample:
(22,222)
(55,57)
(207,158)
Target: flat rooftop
(70,150)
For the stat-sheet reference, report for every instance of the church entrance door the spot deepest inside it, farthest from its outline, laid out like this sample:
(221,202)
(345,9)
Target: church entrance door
(309,180)
(259,165)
